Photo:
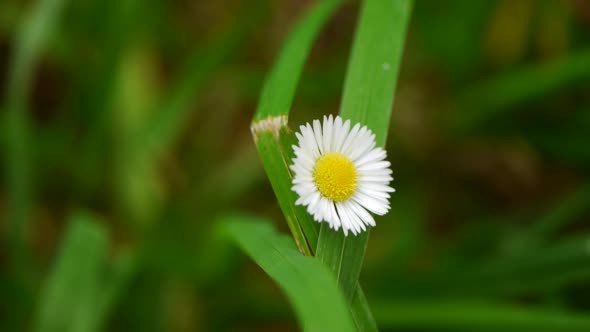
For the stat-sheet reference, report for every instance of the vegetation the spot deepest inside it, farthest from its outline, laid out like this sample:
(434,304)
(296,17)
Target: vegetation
(145,149)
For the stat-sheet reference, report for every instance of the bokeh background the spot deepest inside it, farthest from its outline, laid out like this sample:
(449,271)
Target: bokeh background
(127,136)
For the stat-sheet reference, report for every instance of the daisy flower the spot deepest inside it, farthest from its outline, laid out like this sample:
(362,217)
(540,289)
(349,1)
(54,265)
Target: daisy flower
(340,175)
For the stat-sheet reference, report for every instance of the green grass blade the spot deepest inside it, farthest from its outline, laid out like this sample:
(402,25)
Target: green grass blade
(68,301)
(374,64)
(496,96)
(368,98)
(120,272)
(566,143)
(29,44)
(272,136)
(466,316)
(308,284)
(540,269)
(279,88)
(361,312)
(275,159)
(562,214)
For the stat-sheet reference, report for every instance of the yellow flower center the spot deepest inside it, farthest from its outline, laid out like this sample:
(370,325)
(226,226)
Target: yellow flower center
(335,176)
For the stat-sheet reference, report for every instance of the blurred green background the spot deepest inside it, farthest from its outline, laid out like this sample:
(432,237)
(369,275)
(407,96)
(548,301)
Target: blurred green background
(125,136)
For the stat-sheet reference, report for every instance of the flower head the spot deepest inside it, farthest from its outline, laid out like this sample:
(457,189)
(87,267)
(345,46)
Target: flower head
(340,175)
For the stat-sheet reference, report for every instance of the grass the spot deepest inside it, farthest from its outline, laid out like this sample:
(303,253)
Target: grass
(309,285)
(126,151)
(30,42)
(368,99)
(272,136)
(70,297)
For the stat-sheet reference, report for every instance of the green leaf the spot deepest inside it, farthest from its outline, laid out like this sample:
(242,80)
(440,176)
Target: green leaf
(29,44)
(69,299)
(308,284)
(368,98)
(475,316)
(272,136)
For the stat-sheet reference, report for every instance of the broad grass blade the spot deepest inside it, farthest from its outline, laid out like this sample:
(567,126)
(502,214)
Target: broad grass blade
(368,99)
(272,136)
(496,96)
(308,284)
(70,299)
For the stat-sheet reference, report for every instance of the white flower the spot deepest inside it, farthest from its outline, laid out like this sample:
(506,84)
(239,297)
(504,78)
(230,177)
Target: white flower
(340,175)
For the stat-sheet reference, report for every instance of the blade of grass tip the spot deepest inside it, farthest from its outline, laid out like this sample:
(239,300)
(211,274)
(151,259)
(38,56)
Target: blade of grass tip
(272,137)
(467,316)
(68,299)
(368,99)
(308,284)
(29,44)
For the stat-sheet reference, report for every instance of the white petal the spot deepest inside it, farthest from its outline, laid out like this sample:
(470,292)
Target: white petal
(334,215)
(376,154)
(307,142)
(327,133)
(324,210)
(372,193)
(317,131)
(386,179)
(356,220)
(302,164)
(365,216)
(346,225)
(315,199)
(343,133)
(302,178)
(374,166)
(364,144)
(311,142)
(377,187)
(375,172)
(358,139)
(304,191)
(337,134)
(350,138)
(372,204)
